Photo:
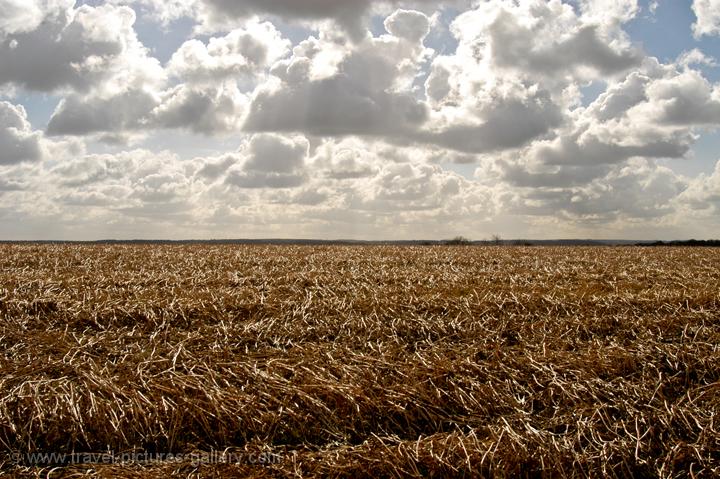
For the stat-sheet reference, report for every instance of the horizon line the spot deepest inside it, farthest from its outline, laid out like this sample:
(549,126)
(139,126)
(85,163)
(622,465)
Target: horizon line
(309,241)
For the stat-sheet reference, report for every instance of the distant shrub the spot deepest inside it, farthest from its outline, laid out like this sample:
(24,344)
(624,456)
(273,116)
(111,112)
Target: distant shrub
(521,243)
(458,240)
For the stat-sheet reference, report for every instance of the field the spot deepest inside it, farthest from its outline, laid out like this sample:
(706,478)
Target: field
(359,361)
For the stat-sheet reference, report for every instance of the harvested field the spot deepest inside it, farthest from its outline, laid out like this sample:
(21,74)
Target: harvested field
(342,361)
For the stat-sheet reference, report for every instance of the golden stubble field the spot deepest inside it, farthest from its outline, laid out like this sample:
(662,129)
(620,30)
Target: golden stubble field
(349,361)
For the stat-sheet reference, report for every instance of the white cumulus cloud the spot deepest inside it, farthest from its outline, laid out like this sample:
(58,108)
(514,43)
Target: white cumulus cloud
(18,141)
(708,17)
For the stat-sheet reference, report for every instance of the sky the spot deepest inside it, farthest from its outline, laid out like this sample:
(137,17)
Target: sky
(359,119)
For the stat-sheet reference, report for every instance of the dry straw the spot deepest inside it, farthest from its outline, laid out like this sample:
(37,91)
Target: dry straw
(363,361)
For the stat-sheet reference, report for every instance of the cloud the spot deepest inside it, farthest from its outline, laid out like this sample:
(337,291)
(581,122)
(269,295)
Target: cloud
(510,82)
(637,191)
(649,114)
(347,177)
(653,6)
(207,100)
(345,160)
(357,97)
(329,87)
(244,51)
(498,123)
(210,110)
(210,169)
(348,133)
(346,12)
(544,38)
(685,99)
(334,107)
(163,11)
(708,17)
(411,25)
(652,113)
(11,184)
(19,16)
(405,186)
(18,142)
(618,98)
(73,48)
(349,14)
(222,15)
(270,161)
(703,194)
(132,184)
(610,12)
(370,92)
(117,112)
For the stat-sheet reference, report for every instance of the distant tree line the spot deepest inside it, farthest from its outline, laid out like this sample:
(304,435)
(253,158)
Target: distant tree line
(692,242)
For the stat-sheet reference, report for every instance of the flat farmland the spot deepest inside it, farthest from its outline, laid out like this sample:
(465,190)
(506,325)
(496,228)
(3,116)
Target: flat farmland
(359,361)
